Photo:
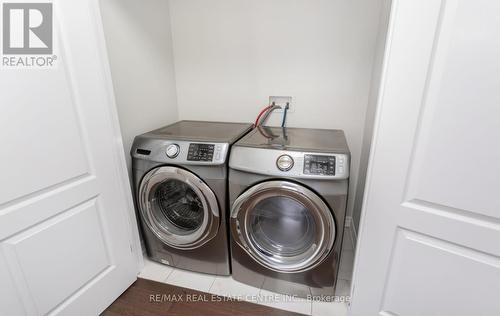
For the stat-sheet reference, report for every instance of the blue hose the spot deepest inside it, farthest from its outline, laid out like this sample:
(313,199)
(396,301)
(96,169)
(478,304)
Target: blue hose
(284,115)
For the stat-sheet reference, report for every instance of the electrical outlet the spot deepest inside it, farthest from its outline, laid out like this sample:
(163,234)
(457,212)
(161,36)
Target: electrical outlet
(282,101)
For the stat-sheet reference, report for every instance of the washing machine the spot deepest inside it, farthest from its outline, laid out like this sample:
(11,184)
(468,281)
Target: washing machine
(288,190)
(180,181)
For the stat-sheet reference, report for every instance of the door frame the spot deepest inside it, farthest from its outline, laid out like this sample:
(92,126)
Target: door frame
(120,164)
(379,78)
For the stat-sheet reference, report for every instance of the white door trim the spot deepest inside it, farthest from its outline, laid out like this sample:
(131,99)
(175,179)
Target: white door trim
(373,148)
(121,164)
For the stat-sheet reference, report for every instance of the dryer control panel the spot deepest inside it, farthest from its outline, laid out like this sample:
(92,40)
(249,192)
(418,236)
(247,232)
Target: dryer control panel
(298,164)
(319,165)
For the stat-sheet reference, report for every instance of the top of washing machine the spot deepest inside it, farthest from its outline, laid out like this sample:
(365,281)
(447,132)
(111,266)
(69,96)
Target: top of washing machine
(293,152)
(203,131)
(189,142)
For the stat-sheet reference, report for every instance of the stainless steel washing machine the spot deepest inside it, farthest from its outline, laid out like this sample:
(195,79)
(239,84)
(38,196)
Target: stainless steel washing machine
(288,190)
(180,179)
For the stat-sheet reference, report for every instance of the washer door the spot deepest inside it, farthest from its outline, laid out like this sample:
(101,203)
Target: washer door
(283,226)
(178,207)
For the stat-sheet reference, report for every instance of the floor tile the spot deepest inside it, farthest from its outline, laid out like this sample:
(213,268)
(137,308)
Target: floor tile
(192,280)
(227,286)
(155,271)
(346,264)
(285,302)
(329,309)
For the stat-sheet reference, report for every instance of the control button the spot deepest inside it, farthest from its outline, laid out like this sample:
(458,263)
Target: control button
(284,162)
(341,169)
(172,150)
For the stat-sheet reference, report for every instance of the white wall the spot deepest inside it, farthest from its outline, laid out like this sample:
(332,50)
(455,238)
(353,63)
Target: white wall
(370,112)
(230,55)
(139,43)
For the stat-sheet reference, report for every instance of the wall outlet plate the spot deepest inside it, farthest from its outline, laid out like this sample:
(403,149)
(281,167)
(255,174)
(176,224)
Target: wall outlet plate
(282,101)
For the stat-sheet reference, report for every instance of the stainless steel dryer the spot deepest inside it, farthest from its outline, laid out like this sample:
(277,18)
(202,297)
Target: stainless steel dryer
(180,179)
(288,191)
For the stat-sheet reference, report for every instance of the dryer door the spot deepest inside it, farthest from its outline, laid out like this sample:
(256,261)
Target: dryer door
(283,226)
(178,207)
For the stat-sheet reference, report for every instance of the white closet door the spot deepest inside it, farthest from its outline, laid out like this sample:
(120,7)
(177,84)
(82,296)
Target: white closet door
(65,233)
(430,234)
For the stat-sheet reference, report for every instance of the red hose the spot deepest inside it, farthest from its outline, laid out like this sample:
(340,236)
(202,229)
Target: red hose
(261,113)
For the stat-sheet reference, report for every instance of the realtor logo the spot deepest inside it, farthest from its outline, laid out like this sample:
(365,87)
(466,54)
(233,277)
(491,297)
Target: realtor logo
(27,28)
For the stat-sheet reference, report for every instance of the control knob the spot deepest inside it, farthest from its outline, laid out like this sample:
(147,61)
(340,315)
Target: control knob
(172,150)
(284,162)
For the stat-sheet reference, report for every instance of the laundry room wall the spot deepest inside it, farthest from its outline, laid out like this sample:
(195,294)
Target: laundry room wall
(139,44)
(230,56)
(370,113)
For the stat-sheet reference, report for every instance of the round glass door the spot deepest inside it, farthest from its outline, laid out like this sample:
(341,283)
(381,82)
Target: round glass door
(284,226)
(281,225)
(178,207)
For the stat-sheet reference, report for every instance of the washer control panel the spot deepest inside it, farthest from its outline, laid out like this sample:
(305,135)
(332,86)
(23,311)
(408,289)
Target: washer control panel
(200,152)
(319,165)
(183,152)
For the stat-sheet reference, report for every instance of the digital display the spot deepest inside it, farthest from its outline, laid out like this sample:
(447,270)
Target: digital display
(319,165)
(200,152)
